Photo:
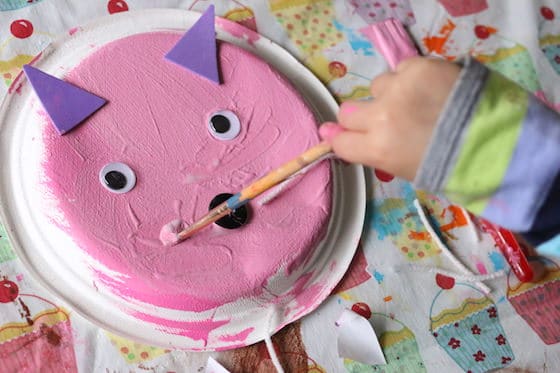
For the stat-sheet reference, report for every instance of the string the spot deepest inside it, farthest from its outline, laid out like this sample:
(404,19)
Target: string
(470,279)
(445,250)
(470,225)
(270,347)
(273,355)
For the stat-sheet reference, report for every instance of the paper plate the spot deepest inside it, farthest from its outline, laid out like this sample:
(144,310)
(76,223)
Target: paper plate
(61,267)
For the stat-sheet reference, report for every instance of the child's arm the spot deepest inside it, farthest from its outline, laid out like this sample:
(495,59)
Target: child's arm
(495,148)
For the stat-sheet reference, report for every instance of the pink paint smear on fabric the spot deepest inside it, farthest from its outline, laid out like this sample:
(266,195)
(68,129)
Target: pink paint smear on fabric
(239,337)
(238,31)
(195,330)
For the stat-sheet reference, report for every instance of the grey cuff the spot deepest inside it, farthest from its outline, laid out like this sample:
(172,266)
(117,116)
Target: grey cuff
(445,145)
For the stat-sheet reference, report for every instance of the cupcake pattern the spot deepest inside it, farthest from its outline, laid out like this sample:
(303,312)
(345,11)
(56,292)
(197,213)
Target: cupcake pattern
(506,56)
(348,71)
(310,26)
(488,45)
(19,33)
(397,219)
(550,45)
(6,5)
(538,302)
(10,68)
(398,344)
(41,340)
(133,352)
(515,63)
(6,252)
(309,23)
(460,8)
(244,16)
(466,325)
(377,11)
(549,37)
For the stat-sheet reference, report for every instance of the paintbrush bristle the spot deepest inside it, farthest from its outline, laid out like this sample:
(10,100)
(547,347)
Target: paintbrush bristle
(169,234)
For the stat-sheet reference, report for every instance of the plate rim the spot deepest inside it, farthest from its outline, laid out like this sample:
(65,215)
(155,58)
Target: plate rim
(357,172)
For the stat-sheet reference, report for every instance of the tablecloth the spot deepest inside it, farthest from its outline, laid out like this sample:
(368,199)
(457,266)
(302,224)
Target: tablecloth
(428,315)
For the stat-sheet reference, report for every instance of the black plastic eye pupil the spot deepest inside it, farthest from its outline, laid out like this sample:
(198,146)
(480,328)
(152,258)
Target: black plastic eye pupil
(235,219)
(115,180)
(220,123)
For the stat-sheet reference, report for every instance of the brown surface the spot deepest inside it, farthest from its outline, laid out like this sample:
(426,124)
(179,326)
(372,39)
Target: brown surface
(255,358)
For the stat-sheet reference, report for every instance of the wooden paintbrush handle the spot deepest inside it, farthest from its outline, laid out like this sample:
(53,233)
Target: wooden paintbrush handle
(280,174)
(216,213)
(263,184)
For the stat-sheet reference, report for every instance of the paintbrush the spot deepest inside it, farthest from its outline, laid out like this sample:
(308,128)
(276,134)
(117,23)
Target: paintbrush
(255,189)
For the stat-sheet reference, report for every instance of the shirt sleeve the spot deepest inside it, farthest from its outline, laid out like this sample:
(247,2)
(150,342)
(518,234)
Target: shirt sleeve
(496,151)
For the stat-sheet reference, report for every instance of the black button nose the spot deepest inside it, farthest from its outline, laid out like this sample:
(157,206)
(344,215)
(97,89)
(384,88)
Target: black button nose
(236,218)
(115,180)
(220,123)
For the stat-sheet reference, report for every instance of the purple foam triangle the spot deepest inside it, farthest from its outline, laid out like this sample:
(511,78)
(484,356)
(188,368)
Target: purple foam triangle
(196,50)
(66,104)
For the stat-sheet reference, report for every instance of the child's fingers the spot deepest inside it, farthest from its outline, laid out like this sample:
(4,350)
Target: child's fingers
(351,113)
(364,117)
(380,84)
(330,130)
(351,146)
(404,64)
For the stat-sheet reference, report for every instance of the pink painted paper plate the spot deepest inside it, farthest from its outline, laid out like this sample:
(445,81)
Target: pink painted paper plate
(56,262)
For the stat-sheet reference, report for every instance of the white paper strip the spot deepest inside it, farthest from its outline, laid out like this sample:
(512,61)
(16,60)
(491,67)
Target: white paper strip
(357,339)
(212,366)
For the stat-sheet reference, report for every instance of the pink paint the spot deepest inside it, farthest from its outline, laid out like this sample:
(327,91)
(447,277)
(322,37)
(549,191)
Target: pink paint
(156,122)
(541,95)
(348,108)
(239,337)
(329,130)
(299,284)
(481,268)
(238,31)
(169,233)
(196,330)
(309,300)
(305,294)
(250,23)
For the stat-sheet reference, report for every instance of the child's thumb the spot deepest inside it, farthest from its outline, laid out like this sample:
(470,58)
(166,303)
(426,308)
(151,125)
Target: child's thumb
(347,145)
(329,131)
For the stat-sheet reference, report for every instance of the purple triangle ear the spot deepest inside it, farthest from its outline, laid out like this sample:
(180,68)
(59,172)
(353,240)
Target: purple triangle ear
(196,50)
(66,104)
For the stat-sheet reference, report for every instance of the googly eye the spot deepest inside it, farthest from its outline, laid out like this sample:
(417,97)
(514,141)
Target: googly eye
(224,125)
(117,178)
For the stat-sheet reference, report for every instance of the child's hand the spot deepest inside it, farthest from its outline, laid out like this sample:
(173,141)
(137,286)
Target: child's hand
(392,131)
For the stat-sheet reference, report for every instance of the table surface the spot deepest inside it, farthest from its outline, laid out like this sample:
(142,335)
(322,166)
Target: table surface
(425,319)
